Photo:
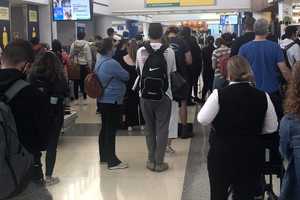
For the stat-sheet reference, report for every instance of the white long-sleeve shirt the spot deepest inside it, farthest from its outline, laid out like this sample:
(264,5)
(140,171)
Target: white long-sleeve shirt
(211,109)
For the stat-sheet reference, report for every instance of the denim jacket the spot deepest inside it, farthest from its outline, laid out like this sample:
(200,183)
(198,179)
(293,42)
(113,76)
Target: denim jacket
(113,78)
(290,150)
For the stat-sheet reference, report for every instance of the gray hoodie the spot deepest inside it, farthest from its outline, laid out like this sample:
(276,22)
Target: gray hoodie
(293,53)
(81,52)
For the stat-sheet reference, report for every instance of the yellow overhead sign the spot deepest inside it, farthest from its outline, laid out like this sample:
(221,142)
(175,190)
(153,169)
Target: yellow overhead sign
(162,3)
(177,3)
(197,2)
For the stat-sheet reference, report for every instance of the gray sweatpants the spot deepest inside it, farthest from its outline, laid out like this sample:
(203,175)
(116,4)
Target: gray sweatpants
(157,116)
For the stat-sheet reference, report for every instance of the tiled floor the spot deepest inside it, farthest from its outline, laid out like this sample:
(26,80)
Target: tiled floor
(83,178)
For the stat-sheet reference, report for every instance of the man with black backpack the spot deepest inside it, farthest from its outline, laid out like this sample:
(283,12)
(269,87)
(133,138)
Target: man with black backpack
(156,62)
(22,109)
(291,46)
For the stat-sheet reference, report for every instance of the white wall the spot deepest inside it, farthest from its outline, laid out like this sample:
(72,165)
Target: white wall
(102,23)
(138,6)
(45,2)
(186,17)
(102,7)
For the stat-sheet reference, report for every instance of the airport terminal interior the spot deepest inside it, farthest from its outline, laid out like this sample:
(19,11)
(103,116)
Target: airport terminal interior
(196,134)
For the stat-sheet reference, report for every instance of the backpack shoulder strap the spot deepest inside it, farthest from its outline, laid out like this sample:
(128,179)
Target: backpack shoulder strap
(162,49)
(149,48)
(289,46)
(15,89)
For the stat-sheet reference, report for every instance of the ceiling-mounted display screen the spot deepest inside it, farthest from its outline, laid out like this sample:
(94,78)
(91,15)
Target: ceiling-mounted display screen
(229,19)
(178,3)
(64,10)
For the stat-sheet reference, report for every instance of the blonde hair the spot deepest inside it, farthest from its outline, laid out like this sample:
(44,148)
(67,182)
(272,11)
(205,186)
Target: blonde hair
(239,69)
(292,102)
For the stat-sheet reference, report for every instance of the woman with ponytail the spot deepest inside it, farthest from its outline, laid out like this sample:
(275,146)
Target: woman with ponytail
(239,114)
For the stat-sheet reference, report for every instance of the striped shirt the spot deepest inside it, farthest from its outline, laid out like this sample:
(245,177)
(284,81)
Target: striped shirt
(217,54)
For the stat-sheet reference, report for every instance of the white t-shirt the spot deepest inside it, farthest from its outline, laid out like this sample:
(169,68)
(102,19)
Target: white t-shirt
(169,54)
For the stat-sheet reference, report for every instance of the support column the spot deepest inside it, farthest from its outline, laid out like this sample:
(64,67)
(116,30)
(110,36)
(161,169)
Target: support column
(145,30)
(48,29)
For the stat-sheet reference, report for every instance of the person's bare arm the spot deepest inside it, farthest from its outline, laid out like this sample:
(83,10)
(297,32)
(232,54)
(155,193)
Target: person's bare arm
(188,58)
(285,71)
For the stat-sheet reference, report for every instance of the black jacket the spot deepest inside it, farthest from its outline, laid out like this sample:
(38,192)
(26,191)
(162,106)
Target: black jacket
(196,53)
(207,53)
(29,109)
(239,42)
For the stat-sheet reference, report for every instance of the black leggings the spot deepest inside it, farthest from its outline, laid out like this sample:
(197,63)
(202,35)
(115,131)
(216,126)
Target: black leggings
(208,80)
(56,126)
(80,83)
(192,79)
(110,115)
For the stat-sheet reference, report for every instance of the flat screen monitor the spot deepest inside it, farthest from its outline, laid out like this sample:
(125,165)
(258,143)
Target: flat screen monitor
(76,10)
(229,19)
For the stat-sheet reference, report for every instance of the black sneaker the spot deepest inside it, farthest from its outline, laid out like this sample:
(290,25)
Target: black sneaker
(150,166)
(185,133)
(161,167)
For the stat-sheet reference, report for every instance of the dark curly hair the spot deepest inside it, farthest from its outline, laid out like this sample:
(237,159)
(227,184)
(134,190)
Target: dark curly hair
(48,65)
(292,102)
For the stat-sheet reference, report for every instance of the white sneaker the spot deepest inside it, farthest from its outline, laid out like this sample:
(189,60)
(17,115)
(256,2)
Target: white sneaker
(49,181)
(170,150)
(142,128)
(130,128)
(119,166)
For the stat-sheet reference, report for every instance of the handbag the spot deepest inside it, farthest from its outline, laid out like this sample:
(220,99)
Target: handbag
(179,87)
(73,70)
(93,85)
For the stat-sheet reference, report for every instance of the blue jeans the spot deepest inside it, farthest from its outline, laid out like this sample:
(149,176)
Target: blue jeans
(290,150)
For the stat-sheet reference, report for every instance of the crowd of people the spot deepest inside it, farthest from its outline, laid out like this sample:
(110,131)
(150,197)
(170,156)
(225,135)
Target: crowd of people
(250,89)
(249,104)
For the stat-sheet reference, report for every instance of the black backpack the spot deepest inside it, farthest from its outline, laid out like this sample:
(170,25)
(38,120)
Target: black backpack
(15,160)
(154,81)
(180,57)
